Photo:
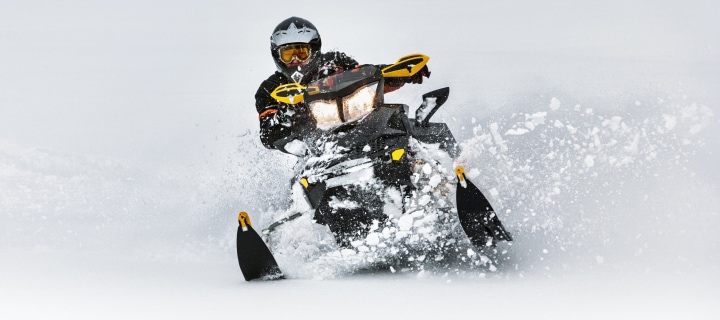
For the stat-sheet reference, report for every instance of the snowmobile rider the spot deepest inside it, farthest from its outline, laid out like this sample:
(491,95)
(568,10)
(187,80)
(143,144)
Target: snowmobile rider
(295,47)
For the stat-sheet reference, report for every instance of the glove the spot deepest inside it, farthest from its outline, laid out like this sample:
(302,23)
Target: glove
(418,77)
(272,128)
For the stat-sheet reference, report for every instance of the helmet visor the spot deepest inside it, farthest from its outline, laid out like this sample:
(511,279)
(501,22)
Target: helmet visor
(301,51)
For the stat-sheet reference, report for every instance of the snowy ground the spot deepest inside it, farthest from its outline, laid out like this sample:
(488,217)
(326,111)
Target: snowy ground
(128,143)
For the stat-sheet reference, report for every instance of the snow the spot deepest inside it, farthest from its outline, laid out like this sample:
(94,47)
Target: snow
(128,145)
(554,104)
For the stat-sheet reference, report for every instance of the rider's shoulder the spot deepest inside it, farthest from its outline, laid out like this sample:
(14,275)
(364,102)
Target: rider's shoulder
(272,82)
(274,79)
(277,76)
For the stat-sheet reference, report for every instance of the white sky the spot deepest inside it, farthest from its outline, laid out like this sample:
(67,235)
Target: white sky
(120,123)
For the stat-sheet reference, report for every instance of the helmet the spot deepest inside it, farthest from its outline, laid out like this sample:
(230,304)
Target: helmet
(296,31)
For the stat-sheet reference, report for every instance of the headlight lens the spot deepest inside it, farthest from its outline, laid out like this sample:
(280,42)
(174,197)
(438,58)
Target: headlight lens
(354,106)
(359,103)
(325,113)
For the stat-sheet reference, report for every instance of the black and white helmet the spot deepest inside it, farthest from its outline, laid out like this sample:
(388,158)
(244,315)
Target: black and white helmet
(296,32)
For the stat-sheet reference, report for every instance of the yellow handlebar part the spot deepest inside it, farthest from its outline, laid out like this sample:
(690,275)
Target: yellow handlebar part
(406,66)
(291,93)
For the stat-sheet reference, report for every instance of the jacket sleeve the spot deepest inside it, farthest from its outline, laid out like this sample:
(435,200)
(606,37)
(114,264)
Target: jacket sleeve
(346,61)
(275,123)
(335,61)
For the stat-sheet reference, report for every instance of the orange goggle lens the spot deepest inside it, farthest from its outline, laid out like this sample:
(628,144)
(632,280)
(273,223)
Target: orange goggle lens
(300,51)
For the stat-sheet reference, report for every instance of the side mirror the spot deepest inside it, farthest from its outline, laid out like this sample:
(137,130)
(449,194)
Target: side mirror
(431,103)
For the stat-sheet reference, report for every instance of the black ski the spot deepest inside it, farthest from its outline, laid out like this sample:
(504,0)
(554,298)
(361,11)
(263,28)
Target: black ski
(477,216)
(254,257)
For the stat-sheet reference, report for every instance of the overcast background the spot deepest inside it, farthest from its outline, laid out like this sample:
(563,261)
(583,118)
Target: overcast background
(128,143)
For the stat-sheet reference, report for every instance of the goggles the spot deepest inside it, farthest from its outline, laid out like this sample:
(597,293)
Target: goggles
(301,51)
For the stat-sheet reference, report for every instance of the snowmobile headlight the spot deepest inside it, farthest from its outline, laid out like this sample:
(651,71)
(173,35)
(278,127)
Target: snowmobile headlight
(325,113)
(359,103)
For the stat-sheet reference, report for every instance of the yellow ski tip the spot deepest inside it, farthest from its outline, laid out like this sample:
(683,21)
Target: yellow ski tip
(460,172)
(244,220)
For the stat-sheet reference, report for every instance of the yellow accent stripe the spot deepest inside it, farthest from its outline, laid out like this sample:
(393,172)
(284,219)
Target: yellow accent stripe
(267,112)
(398,154)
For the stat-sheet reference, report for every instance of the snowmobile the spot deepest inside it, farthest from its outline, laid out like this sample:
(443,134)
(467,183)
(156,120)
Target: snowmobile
(356,148)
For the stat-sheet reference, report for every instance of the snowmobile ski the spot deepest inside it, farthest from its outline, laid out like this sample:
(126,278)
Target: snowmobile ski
(477,217)
(254,257)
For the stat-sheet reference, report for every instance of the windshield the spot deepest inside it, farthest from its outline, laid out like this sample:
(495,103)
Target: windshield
(342,84)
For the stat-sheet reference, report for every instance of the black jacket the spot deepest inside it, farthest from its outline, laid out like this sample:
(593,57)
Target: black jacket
(276,119)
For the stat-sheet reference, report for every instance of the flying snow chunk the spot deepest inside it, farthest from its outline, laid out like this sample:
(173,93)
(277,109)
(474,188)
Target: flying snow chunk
(516,132)
(424,200)
(554,103)
(470,253)
(373,239)
(613,123)
(473,173)
(494,192)
(296,147)
(405,222)
(497,138)
(670,121)
(536,119)
(435,180)
(589,161)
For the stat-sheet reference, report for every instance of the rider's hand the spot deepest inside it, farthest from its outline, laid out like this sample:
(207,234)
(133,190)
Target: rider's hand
(418,77)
